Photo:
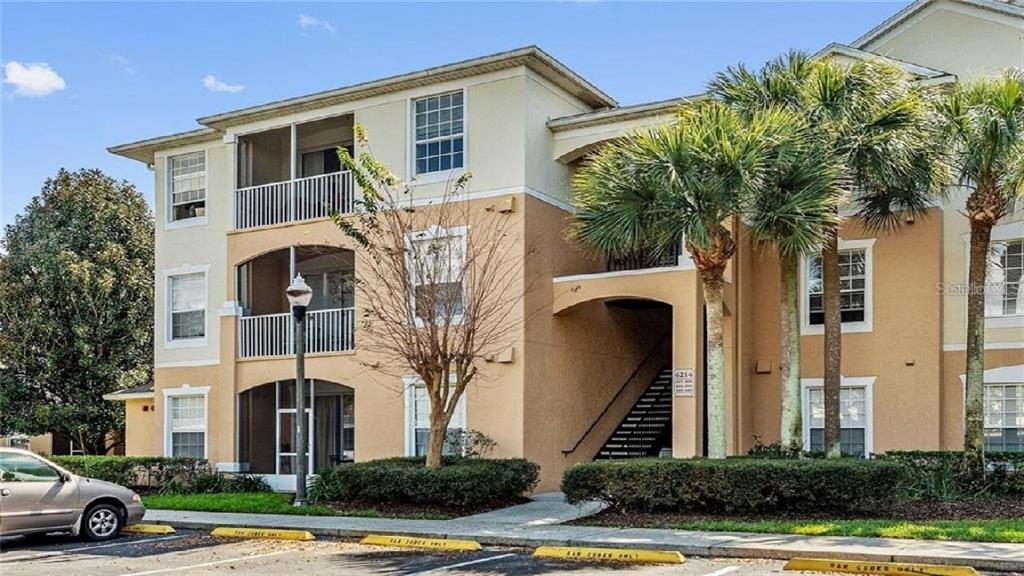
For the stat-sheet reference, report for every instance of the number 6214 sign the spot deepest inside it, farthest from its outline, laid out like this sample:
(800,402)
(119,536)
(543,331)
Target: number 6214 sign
(682,382)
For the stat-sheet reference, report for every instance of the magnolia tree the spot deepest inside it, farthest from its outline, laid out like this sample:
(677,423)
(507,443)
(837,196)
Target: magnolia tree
(438,282)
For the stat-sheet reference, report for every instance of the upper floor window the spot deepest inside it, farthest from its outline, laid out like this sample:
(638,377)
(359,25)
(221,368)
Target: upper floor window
(436,274)
(187,185)
(852,287)
(1003,295)
(439,132)
(187,306)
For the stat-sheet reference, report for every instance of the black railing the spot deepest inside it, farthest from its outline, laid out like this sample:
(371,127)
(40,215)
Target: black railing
(649,259)
(622,389)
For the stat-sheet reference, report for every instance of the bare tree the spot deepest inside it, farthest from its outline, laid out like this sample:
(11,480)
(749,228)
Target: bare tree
(439,282)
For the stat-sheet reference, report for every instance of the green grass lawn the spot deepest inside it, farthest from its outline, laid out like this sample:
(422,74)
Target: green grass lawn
(1010,530)
(266,503)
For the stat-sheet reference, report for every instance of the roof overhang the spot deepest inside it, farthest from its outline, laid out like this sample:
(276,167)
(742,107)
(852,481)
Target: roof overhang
(924,74)
(622,114)
(130,394)
(997,6)
(144,150)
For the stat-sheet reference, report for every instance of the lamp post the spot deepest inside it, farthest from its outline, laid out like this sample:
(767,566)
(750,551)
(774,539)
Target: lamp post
(299,294)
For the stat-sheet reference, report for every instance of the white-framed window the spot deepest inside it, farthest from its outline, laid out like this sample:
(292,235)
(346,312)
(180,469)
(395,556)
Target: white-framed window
(186,306)
(186,186)
(1003,293)
(855,414)
(436,270)
(185,421)
(855,289)
(417,420)
(438,133)
(1004,416)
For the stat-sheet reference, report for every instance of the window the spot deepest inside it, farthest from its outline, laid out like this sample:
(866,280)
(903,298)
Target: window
(439,133)
(25,468)
(854,418)
(187,306)
(187,183)
(436,274)
(1003,295)
(1004,417)
(852,287)
(187,425)
(15,440)
(418,422)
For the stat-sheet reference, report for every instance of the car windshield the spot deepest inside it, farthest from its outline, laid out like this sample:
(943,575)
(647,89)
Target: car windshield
(24,468)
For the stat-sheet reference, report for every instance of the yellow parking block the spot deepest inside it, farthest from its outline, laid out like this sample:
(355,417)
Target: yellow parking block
(609,555)
(262,533)
(412,542)
(148,529)
(882,568)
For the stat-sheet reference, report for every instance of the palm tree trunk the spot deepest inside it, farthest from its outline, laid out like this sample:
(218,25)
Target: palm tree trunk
(713,310)
(789,364)
(833,342)
(974,425)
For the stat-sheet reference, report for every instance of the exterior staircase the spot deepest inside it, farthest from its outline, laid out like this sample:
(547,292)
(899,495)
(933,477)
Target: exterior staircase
(647,428)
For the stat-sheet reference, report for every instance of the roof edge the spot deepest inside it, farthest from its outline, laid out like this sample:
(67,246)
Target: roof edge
(910,10)
(143,150)
(620,114)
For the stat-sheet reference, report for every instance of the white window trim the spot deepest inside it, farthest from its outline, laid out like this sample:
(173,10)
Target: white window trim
(866,382)
(436,233)
(410,126)
(868,324)
(1008,231)
(410,383)
(169,342)
(1013,374)
(169,222)
(186,390)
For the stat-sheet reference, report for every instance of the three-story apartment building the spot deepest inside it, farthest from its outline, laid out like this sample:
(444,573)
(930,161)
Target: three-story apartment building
(608,358)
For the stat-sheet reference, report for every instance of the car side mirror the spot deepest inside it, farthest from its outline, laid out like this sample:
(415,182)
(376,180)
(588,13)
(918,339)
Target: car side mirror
(65,477)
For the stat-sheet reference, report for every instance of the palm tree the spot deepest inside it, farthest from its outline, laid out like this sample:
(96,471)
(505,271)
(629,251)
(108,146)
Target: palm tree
(869,122)
(874,120)
(984,124)
(680,182)
(794,209)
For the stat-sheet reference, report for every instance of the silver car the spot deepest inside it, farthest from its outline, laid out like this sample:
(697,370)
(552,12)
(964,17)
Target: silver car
(38,496)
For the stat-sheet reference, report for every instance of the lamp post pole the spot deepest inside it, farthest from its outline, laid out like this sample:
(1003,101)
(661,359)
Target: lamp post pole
(299,294)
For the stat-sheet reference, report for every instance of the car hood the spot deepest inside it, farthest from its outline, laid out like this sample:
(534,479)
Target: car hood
(93,487)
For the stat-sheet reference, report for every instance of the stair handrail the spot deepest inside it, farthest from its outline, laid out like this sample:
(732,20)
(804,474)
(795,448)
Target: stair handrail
(622,389)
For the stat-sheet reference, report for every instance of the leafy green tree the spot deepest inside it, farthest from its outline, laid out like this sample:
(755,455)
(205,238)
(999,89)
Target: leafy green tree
(76,306)
(984,127)
(685,181)
(795,208)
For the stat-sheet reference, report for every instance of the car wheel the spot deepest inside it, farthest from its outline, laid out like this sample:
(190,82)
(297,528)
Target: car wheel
(102,522)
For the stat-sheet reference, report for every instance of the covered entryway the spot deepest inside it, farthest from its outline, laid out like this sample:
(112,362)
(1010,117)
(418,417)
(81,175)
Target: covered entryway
(267,429)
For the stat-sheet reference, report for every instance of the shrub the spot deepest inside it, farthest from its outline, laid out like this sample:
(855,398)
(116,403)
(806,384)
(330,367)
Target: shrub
(216,483)
(135,471)
(460,482)
(247,483)
(738,485)
(944,475)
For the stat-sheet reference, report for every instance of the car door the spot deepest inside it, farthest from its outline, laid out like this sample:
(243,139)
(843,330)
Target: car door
(34,495)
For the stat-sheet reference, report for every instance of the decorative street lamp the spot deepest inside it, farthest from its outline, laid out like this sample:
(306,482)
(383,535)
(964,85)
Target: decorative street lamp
(299,294)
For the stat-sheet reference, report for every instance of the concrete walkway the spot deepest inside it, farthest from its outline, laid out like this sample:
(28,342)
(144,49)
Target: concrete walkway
(540,523)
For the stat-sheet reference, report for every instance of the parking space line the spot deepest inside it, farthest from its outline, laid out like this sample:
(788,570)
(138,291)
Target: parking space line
(466,563)
(205,564)
(723,571)
(47,553)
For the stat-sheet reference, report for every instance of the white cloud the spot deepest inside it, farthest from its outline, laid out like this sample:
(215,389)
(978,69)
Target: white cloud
(32,79)
(307,22)
(123,62)
(213,84)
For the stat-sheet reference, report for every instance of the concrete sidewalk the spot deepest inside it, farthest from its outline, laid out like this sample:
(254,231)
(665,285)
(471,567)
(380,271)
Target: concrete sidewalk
(539,523)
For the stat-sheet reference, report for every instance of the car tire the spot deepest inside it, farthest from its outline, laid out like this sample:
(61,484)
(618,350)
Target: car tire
(102,522)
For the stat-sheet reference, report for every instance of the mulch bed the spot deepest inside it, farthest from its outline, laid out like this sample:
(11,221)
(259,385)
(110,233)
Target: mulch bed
(918,510)
(389,510)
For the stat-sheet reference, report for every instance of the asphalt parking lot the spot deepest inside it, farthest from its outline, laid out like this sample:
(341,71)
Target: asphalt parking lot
(189,552)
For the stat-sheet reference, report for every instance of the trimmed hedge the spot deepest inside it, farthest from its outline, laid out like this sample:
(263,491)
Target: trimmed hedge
(738,485)
(135,471)
(943,474)
(460,482)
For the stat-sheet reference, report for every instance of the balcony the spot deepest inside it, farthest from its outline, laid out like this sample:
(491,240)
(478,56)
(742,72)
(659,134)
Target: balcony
(266,328)
(292,173)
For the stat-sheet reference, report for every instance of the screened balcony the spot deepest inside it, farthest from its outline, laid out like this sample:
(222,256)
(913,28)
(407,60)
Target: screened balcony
(293,173)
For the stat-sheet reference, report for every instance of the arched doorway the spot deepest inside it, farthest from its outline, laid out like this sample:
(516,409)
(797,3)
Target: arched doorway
(267,429)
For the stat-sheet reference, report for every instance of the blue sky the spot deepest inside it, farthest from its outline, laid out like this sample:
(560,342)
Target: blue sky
(81,77)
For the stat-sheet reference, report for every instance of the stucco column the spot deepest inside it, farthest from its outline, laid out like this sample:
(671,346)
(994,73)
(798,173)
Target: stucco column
(687,354)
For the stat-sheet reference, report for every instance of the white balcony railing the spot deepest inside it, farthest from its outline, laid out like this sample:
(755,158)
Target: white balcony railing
(273,334)
(293,200)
